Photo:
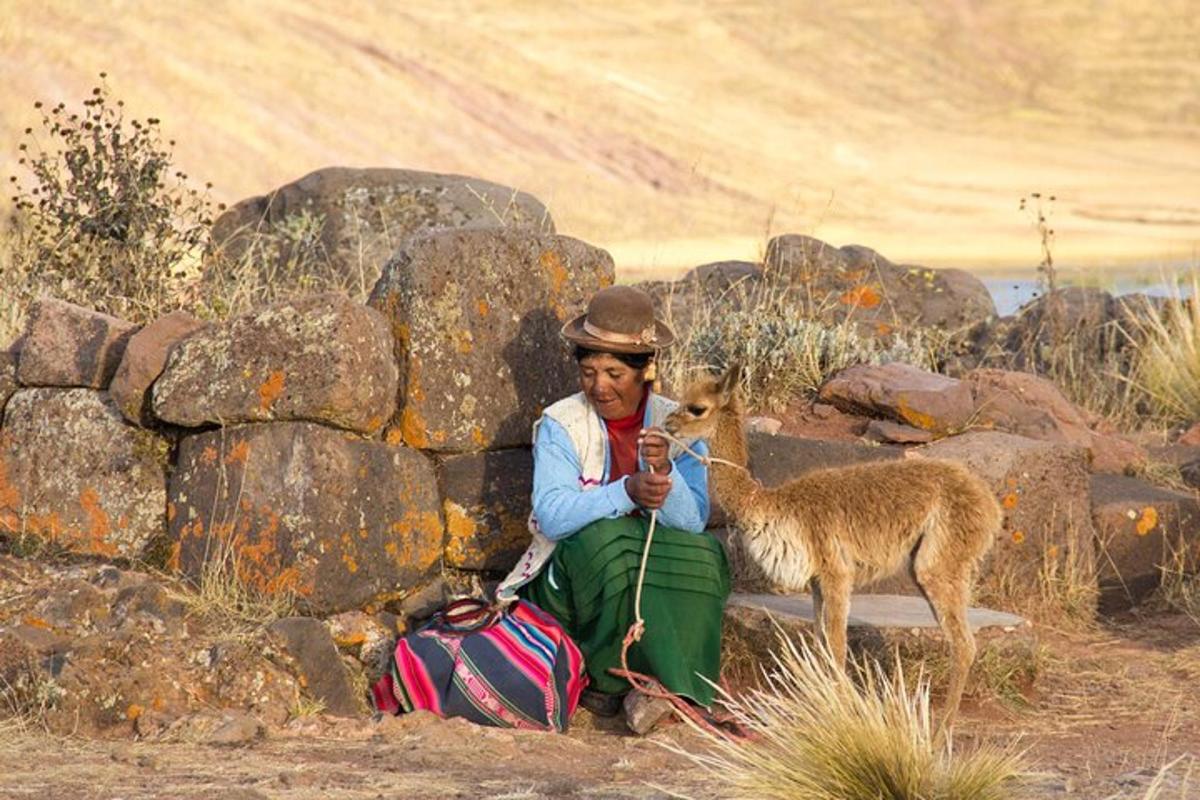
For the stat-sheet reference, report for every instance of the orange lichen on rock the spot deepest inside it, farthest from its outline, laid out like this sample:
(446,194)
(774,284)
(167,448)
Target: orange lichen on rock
(270,390)
(1018,537)
(99,527)
(483,307)
(1147,520)
(133,712)
(208,456)
(1009,501)
(477,436)
(918,419)
(863,296)
(413,429)
(239,454)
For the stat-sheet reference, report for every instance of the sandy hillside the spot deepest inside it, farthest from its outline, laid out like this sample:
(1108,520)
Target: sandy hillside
(674,133)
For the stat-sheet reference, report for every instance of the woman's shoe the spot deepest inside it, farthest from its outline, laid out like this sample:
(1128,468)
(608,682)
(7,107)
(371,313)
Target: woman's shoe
(643,712)
(601,704)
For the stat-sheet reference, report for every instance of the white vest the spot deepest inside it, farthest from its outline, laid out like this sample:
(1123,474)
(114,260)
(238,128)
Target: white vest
(590,438)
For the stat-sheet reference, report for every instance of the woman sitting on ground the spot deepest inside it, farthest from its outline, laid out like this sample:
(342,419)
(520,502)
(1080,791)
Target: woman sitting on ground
(599,470)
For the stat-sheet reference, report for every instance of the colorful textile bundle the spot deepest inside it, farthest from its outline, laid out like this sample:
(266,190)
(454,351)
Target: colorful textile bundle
(509,668)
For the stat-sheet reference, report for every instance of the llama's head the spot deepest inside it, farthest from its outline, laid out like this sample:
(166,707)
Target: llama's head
(702,404)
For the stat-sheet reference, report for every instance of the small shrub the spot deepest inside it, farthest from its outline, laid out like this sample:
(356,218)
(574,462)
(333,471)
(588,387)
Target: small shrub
(106,220)
(820,735)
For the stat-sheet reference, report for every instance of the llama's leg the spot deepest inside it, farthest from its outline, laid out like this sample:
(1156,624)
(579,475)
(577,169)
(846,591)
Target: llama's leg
(835,590)
(948,594)
(818,612)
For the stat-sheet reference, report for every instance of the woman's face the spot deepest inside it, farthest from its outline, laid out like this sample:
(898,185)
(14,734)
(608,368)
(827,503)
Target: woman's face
(613,387)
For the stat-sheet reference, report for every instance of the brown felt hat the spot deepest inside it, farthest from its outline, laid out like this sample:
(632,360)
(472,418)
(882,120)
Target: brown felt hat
(619,319)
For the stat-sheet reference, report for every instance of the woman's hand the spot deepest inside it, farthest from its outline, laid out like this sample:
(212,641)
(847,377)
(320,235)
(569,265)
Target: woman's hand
(648,489)
(654,450)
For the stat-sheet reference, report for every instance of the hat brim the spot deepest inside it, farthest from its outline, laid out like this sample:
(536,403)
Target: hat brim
(574,333)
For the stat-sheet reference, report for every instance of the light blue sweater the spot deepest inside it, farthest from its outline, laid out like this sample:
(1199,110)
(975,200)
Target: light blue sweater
(562,507)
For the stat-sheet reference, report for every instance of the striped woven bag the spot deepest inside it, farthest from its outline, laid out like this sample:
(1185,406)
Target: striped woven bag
(511,668)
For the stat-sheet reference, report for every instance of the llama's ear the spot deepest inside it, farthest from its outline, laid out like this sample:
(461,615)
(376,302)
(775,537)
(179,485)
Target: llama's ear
(729,381)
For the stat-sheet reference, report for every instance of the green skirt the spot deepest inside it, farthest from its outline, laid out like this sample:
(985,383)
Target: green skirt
(589,585)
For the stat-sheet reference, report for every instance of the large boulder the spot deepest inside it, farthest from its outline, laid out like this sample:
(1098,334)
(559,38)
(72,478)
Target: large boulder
(486,499)
(352,220)
(863,284)
(476,315)
(74,473)
(70,346)
(338,520)
(322,358)
(1145,533)
(1045,550)
(144,359)
(1032,406)
(904,393)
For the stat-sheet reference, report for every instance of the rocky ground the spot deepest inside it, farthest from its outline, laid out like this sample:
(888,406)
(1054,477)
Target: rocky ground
(137,713)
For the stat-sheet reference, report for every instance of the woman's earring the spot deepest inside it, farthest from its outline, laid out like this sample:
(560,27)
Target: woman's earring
(651,375)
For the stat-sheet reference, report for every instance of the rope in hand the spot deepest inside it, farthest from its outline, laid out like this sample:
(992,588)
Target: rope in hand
(645,683)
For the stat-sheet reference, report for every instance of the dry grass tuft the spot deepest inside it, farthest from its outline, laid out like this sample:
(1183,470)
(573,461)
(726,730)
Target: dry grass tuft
(1167,368)
(820,735)
(788,344)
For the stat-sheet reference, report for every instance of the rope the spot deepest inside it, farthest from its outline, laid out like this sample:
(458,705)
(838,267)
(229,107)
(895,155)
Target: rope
(644,683)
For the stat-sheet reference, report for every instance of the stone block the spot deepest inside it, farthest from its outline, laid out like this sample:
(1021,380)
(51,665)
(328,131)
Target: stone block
(339,520)
(145,356)
(476,316)
(486,499)
(352,220)
(321,358)
(70,346)
(74,473)
(1045,491)
(1143,532)
(319,666)
(903,393)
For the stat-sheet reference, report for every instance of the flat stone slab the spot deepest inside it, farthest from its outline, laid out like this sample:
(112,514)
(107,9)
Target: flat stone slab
(875,611)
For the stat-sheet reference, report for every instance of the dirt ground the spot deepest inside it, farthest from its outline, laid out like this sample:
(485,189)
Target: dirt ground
(1112,706)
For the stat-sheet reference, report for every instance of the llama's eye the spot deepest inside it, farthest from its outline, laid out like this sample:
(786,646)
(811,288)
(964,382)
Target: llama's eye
(696,411)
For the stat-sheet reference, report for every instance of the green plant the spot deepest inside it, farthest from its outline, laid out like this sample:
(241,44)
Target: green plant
(820,734)
(103,218)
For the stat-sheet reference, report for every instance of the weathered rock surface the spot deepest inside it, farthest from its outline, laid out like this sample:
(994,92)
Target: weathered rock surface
(113,652)
(358,217)
(486,502)
(145,356)
(74,473)
(8,377)
(1032,406)
(904,393)
(875,290)
(1145,531)
(476,315)
(70,346)
(321,358)
(338,520)
(882,430)
(1045,491)
(308,643)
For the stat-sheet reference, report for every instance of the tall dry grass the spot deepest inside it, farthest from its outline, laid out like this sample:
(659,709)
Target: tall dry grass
(819,734)
(1167,366)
